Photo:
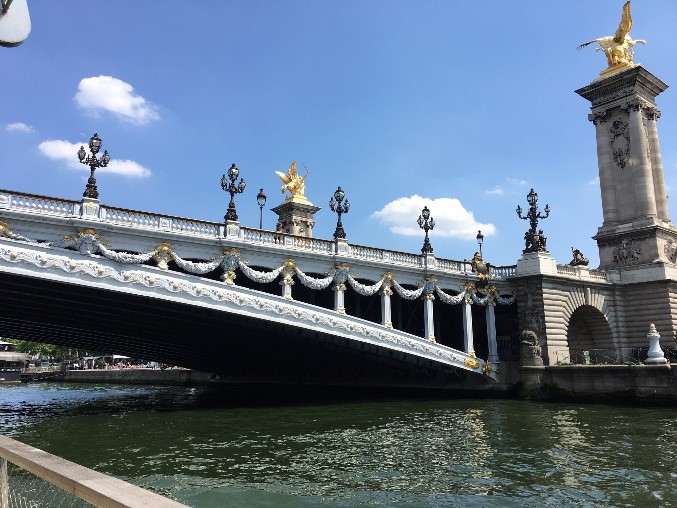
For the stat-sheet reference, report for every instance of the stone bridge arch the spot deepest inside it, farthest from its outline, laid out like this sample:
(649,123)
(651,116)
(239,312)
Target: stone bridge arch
(590,320)
(577,317)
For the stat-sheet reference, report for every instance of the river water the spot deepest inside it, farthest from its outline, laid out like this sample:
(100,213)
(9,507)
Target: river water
(209,448)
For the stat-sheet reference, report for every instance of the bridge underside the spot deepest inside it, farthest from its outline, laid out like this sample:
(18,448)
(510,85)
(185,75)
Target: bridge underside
(236,348)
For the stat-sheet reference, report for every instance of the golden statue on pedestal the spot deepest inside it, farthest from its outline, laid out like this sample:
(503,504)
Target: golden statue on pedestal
(618,48)
(293,182)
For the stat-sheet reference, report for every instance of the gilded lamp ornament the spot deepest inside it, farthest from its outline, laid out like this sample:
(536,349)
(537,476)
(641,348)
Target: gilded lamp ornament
(618,48)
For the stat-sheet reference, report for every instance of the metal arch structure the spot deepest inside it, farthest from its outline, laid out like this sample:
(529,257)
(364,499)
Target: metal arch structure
(181,319)
(83,274)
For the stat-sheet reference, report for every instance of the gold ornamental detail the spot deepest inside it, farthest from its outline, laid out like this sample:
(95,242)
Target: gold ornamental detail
(471,361)
(5,230)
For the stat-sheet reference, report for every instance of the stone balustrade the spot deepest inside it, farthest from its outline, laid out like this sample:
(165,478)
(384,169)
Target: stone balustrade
(29,204)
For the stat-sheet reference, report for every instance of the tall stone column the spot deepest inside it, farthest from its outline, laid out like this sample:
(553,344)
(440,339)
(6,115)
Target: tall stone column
(606,177)
(640,162)
(636,230)
(652,115)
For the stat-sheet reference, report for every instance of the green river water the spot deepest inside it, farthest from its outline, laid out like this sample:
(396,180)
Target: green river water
(209,448)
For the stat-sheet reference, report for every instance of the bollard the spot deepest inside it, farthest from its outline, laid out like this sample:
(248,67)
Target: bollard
(656,354)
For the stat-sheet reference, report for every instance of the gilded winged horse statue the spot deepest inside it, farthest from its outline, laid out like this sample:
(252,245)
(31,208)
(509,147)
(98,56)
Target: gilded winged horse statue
(618,47)
(293,182)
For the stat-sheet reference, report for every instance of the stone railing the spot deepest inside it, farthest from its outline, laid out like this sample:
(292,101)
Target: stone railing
(502,272)
(33,204)
(37,204)
(65,482)
(581,272)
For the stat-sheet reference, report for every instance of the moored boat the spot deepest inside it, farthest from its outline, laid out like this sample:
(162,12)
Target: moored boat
(12,363)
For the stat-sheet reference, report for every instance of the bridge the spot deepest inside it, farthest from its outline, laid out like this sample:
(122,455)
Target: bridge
(247,304)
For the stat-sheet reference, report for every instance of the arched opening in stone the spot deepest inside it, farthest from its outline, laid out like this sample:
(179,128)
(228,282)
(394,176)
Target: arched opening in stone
(589,331)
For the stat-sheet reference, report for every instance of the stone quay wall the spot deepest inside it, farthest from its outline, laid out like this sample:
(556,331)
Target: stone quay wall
(601,383)
(172,377)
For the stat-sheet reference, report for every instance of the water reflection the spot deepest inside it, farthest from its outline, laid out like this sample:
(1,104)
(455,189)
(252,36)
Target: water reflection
(212,449)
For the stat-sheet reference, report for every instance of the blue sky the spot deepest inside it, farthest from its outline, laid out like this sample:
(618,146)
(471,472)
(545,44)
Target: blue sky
(462,106)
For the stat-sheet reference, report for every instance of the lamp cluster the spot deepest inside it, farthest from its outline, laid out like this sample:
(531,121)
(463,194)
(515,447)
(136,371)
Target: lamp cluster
(93,162)
(337,203)
(228,185)
(534,239)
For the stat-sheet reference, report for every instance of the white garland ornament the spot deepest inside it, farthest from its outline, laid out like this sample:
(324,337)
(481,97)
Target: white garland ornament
(408,294)
(449,299)
(363,289)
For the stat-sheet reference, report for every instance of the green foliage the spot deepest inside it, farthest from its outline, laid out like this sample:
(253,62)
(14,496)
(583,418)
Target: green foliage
(48,350)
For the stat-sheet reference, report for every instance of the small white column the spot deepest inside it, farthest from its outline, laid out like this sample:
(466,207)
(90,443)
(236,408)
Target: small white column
(656,354)
(428,317)
(491,336)
(287,282)
(339,300)
(467,326)
(386,309)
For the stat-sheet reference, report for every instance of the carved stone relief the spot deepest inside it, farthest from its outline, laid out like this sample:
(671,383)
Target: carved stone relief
(626,253)
(620,142)
(532,312)
(671,251)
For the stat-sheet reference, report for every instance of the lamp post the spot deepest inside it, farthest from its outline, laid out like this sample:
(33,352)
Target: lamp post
(426,223)
(261,200)
(93,163)
(228,185)
(480,240)
(534,240)
(337,205)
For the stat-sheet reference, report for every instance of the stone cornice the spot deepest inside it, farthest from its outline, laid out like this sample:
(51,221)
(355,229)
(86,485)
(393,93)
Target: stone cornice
(617,89)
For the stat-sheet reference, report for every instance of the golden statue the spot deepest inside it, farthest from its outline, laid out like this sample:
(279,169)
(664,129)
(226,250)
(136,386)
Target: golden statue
(618,48)
(293,182)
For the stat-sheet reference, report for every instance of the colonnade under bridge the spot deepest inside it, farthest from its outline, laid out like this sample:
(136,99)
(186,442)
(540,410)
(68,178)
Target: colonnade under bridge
(243,302)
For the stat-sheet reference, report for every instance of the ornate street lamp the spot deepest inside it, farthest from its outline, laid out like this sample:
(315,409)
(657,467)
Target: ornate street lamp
(426,223)
(261,200)
(228,185)
(336,205)
(480,240)
(534,240)
(93,163)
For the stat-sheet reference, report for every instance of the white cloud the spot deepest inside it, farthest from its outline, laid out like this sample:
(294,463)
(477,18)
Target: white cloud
(19,127)
(516,181)
(111,94)
(594,181)
(67,152)
(451,218)
(496,191)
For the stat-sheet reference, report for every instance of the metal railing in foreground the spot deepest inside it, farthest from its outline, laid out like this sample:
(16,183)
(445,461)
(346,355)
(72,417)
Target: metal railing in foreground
(621,356)
(32,477)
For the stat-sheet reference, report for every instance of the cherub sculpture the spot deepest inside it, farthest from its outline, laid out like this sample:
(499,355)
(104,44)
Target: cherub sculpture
(293,182)
(618,48)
